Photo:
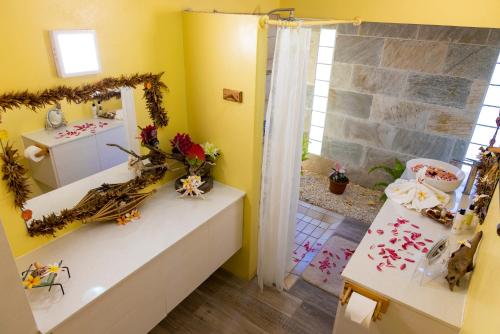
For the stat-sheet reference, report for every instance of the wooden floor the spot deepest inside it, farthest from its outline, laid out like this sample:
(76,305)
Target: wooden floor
(226,304)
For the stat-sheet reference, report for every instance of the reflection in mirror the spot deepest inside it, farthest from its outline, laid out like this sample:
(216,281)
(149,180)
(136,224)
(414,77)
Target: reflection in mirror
(79,149)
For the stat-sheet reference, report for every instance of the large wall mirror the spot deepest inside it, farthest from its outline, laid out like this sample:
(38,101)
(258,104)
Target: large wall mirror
(60,155)
(63,143)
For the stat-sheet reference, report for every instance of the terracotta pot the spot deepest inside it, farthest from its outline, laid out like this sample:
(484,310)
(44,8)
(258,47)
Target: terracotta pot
(205,187)
(338,188)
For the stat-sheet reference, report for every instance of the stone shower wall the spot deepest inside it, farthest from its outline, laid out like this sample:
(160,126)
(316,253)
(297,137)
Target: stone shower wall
(401,91)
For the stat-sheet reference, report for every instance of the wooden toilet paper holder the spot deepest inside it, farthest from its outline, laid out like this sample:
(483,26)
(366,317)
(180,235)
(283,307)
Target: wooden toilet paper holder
(44,151)
(382,302)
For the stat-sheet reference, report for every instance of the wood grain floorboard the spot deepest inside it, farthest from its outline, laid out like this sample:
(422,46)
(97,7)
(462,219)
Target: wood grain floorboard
(227,304)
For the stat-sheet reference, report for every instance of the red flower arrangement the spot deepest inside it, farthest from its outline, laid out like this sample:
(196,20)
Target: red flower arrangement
(149,135)
(196,152)
(181,143)
(198,159)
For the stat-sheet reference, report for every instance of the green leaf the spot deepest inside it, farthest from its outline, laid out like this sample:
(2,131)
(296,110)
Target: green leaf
(385,168)
(383,197)
(380,185)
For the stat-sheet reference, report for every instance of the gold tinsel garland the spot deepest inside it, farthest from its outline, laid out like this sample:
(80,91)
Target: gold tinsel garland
(153,87)
(486,182)
(14,175)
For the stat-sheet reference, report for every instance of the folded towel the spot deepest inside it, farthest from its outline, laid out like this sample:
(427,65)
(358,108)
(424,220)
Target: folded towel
(416,194)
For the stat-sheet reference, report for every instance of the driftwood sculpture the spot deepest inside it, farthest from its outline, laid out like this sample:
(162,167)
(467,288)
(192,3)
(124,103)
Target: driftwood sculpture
(461,261)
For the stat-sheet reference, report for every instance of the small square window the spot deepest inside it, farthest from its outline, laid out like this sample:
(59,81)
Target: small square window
(493,96)
(318,118)
(323,72)
(473,151)
(488,116)
(321,88)
(495,79)
(314,147)
(320,103)
(75,52)
(327,37)
(482,135)
(316,133)
(325,55)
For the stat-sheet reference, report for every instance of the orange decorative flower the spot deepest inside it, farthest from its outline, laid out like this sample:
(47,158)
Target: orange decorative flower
(148,85)
(27,215)
(122,220)
(135,214)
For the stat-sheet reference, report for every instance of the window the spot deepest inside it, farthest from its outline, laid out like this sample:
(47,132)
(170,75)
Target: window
(75,52)
(486,122)
(321,89)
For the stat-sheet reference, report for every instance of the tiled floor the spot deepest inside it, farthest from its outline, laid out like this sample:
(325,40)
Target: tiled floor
(315,226)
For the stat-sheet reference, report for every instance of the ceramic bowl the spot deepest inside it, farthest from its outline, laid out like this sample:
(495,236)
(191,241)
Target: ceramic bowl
(443,185)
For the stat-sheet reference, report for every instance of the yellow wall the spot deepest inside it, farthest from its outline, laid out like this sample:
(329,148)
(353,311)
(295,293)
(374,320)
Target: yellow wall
(228,51)
(483,298)
(133,36)
(479,13)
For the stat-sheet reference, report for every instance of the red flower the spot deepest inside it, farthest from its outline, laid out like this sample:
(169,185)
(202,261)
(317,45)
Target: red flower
(196,152)
(181,143)
(149,135)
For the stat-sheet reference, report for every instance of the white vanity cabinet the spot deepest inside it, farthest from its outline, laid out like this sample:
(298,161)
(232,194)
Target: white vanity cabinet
(75,157)
(126,279)
(416,304)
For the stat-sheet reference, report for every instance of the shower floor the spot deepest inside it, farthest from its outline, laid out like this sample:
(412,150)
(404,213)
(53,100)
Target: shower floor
(356,202)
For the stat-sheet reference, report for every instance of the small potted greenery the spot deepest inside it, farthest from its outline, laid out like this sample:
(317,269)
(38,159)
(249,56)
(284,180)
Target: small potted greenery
(338,180)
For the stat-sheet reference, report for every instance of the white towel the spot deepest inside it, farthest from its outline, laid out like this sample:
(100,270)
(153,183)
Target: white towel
(416,194)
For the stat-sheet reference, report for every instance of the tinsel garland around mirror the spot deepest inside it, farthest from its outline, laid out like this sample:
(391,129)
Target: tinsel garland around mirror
(486,182)
(153,87)
(14,174)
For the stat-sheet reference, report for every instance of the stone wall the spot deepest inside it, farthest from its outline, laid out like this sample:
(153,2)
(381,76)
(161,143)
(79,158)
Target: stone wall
(402,91)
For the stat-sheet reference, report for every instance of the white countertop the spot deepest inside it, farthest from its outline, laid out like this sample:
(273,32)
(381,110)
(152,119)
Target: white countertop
(89,127)
(100,255)
(432,298)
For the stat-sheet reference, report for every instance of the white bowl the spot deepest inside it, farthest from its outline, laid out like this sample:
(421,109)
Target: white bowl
(443,185)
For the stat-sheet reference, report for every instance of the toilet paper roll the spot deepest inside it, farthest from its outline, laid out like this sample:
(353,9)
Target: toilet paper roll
(360,309)
(31,153)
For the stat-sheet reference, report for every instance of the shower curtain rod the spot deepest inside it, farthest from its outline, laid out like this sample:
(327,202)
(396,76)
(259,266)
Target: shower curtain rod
(295,23)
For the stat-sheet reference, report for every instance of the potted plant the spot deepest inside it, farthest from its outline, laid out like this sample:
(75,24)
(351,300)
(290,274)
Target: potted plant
(338,180)
(198,160)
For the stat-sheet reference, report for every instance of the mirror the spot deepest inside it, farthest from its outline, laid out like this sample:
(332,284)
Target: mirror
(55,118)
(67,151)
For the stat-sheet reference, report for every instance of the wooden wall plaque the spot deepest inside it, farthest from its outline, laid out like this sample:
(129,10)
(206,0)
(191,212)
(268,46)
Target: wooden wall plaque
(232,95)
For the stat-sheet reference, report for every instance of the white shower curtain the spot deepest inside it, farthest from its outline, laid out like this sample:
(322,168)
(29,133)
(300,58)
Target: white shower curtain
(282,155)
